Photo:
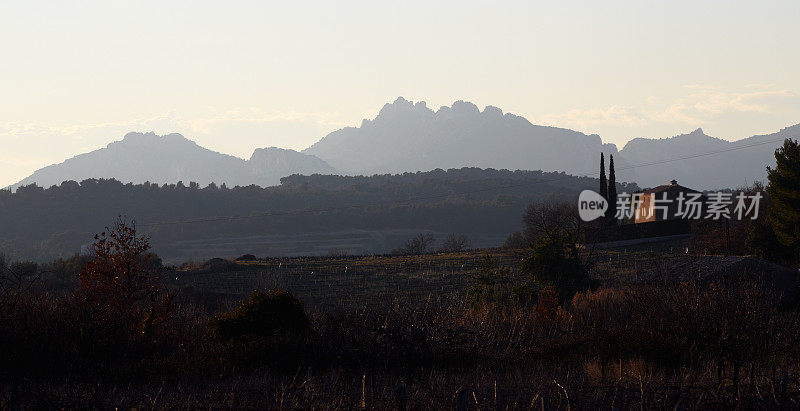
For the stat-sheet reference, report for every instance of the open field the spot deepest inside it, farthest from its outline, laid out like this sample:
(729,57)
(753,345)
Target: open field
(360,281)
(341,282)
(365,241)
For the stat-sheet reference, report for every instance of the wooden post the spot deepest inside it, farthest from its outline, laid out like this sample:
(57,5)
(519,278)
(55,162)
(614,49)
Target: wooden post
(364,391)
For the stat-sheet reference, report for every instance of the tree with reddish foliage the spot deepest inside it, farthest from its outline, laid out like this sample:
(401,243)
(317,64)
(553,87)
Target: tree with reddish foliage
(123,279)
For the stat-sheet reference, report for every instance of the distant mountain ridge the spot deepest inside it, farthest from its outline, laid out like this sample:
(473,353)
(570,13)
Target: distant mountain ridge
(406,136)
(141,157)
(700,161)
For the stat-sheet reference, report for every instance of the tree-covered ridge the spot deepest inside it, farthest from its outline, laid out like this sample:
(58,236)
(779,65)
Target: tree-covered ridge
(45,222)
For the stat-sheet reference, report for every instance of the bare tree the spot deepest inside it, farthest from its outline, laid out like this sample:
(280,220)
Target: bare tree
(553,220)
(455,243)
(420,244)
(13,285)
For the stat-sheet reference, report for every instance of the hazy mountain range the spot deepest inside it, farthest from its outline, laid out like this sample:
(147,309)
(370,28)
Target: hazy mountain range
(408,136)
(701,161)
(141,157)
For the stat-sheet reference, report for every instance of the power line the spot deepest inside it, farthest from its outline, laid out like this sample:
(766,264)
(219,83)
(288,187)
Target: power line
(411,200)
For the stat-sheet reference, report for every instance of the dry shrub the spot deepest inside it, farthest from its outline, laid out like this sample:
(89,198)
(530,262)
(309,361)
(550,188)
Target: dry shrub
(684,324)
(270,330)
(498,287)
(263,315)
(547,308)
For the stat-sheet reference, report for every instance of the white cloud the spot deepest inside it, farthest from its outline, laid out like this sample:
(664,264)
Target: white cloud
(76,131)
(197,124)
(702,104)
(614,115)
(14,161)
(253,115)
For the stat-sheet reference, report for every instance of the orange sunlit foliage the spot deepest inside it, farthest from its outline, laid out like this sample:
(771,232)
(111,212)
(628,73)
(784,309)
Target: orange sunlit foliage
(123,279)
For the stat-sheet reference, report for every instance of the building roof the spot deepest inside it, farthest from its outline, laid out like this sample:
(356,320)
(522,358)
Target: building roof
(672,186)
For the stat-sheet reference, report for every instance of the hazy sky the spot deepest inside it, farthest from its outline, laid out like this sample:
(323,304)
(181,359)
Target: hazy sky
(237,75)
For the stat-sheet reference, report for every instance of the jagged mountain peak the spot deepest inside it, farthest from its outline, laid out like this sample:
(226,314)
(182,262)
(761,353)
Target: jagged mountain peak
(152,139)
(492,112)
(402,107)
(462,107)
(461,135)
(273,149)
(697,136)
(408,136)
(406,109)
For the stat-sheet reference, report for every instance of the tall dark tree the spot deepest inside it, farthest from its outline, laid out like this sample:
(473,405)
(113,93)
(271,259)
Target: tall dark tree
(612,189)
(603,183)
(784,191)
(555,230)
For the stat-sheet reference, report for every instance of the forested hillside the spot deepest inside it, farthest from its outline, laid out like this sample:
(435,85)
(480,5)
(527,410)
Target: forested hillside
(304,215)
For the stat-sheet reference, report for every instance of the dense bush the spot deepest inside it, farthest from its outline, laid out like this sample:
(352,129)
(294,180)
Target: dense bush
(269,330)
(515,240)
(555,231)
(498,287)
(263,314)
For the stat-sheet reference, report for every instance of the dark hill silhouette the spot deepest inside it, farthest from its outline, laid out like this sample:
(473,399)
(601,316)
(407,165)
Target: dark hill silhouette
(315,214)
(142,157)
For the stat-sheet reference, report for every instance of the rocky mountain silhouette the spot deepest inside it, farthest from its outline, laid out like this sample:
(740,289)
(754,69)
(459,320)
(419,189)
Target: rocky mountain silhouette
(406,136)
(700,161)
(141,157)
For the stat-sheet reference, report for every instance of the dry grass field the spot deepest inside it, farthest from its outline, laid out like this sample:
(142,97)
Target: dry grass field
(395,332)
(358,281)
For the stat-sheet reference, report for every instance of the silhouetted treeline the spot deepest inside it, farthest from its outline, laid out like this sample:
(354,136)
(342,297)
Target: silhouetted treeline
(41,224)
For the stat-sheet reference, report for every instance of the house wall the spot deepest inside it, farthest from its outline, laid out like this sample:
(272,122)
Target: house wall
(644,210)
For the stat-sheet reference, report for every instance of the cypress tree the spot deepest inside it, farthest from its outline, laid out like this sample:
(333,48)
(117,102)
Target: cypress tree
(612,189)
(784,191)
(603,186)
